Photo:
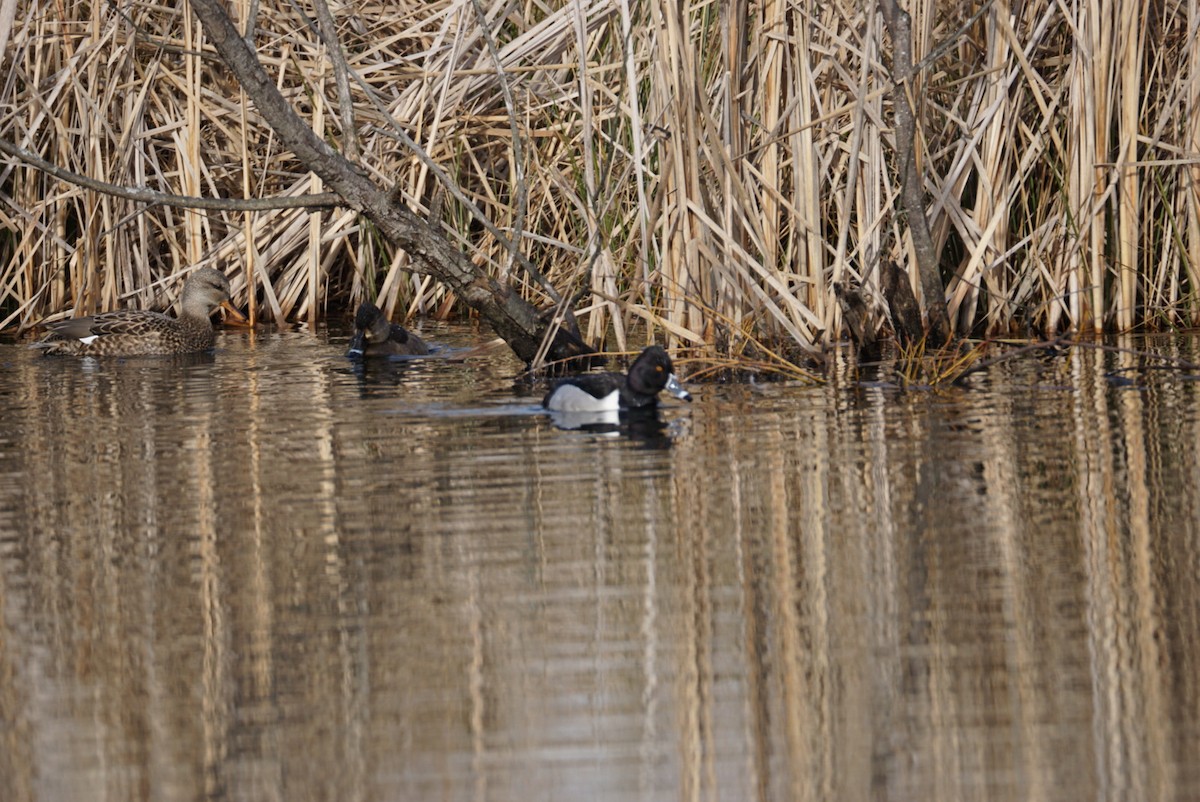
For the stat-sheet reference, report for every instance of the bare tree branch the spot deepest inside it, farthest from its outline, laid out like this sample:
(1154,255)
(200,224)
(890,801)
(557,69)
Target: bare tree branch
(341,70)
(518,162)
(899,25)
(512,317)
(325,200)
(510,242)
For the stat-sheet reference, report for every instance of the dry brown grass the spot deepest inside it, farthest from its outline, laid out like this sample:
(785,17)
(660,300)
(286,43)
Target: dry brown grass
(708,168)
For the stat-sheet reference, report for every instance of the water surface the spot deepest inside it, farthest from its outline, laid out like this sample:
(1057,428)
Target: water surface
(266,574)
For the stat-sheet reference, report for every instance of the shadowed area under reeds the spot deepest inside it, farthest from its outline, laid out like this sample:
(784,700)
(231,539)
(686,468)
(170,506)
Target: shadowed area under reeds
(271,574)
(706,169)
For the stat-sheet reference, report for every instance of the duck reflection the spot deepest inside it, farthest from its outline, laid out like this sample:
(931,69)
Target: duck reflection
(645,426)
(606,421)
(383,376)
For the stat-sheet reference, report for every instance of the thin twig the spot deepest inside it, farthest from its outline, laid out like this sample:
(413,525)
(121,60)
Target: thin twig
(327,30)
(1116,349)
(518,151)
(1007,355)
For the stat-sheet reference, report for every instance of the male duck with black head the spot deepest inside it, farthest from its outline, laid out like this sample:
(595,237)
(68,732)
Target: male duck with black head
(375,335)
(650,374)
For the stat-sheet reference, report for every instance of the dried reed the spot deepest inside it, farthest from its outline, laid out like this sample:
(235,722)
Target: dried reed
(708,169)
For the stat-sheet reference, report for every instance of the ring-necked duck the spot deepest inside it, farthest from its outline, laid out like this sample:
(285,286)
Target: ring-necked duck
(375,335)
(132,332)
(649,375)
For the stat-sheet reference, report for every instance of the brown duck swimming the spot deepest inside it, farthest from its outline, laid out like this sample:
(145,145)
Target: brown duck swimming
(375,335)
(141,333)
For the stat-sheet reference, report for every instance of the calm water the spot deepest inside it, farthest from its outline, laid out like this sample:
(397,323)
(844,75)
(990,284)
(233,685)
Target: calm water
(262,575)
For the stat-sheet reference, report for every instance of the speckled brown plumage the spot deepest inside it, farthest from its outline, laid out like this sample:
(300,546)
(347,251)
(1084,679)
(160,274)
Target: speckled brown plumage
(139,333)
(375,335)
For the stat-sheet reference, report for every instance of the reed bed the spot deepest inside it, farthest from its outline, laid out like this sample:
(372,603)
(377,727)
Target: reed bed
(709,169)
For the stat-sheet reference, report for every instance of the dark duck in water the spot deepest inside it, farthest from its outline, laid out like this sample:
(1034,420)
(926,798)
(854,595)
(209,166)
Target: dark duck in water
(375,335)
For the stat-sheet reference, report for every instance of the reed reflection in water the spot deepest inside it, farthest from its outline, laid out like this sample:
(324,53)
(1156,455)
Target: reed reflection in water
(265,575)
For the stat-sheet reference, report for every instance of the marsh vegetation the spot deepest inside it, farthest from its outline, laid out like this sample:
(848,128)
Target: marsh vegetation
(706,171)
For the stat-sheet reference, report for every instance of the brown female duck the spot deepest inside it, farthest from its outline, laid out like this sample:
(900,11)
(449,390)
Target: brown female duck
(375,335)
(141,333)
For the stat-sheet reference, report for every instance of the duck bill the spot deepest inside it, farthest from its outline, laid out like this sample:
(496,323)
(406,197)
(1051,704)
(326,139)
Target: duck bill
(233,314)
(355,351)
(676,389)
